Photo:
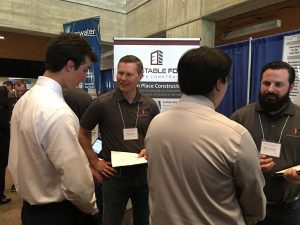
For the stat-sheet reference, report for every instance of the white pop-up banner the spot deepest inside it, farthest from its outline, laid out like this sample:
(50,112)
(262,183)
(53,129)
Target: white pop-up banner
(160,57)
(291,55)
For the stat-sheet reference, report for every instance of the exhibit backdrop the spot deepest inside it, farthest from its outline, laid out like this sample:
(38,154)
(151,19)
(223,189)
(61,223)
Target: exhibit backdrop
(291,55)
(160,57)
(90,30)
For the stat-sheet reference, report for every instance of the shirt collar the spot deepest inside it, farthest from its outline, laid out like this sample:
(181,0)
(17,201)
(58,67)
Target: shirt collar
(50,83)
(120,96)
(197,99)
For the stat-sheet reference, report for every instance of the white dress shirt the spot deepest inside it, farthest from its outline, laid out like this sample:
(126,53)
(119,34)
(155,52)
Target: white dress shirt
(46,160)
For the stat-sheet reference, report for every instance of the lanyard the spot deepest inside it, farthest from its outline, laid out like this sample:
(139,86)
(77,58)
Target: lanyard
(137,113)
(262,130)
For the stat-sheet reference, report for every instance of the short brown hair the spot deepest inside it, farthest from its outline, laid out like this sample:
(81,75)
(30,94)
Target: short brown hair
(277,65)
(20,82)
(133,59)
(68,46)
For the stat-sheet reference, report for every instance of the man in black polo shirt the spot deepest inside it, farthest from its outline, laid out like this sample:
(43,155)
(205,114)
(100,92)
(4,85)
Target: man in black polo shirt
(274,123)
(123,115)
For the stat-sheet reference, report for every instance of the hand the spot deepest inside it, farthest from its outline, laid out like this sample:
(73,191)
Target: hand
(290,175)
(105,169)
(143,154)
(97,177)
(266,164)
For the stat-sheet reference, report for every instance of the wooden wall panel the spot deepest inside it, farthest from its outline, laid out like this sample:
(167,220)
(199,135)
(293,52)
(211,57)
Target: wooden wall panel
(288,12)
(216,10)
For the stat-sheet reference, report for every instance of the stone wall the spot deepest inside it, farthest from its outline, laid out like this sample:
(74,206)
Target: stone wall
(131,18)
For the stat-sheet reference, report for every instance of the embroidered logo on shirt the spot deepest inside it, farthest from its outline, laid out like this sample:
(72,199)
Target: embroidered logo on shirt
(143,112)
(295,132)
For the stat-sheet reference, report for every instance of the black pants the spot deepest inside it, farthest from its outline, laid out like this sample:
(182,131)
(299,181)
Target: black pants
(285,214)
(4,147)
(130,183)
(62,213)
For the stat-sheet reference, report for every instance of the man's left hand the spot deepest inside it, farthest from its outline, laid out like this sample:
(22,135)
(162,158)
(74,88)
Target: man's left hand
(290,175)
(97,177)
(142,153)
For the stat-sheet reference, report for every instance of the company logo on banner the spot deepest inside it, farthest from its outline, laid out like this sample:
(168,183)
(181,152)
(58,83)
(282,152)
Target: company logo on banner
(160,57)
(89,29)
(157,58)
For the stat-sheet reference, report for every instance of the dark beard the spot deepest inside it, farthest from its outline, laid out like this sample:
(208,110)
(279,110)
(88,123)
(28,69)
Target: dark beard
(273,105)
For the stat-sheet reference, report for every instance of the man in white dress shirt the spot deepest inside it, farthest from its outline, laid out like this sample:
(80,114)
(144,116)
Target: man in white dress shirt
(203,168)
(49,168)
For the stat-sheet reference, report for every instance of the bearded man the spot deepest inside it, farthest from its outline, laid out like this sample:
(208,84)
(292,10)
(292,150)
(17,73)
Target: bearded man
(274,123)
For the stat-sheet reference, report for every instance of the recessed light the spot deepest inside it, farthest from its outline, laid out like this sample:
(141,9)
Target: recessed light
(2,37)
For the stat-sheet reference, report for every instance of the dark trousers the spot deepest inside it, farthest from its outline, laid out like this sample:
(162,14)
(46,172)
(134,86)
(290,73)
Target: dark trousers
(4,147)
(116,192)
(98,193)
(62,213)
(285,214)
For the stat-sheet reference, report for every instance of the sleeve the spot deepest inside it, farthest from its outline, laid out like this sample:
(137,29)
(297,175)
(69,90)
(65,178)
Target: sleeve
(249,181)
(4,124)
(84,103)
(154,109)
(68,158)
(77,100)
(240,116)
(235,117)
(13,150)
(91,116)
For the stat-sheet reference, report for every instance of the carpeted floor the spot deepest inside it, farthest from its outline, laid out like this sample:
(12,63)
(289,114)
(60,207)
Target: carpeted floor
(10,212)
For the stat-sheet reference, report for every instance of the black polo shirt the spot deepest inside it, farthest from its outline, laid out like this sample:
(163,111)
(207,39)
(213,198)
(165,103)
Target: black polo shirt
(276,188)
(105,111)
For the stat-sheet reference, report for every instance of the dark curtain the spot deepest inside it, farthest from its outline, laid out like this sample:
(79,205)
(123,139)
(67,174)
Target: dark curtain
(107,82)
(236,95)
(265,50)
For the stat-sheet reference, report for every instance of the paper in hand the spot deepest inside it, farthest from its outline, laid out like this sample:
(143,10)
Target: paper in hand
(126,159)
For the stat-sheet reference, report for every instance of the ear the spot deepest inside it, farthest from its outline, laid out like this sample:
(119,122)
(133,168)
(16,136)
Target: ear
(69,65)
(141,76)
(219,84)
(291,87)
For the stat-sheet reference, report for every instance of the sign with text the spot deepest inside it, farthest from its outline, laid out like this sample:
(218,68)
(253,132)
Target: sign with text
(89,29)
(291,55)
(160,57)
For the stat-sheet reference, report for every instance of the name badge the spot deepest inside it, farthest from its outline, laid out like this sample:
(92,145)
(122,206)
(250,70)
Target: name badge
(130,134)
(270,148)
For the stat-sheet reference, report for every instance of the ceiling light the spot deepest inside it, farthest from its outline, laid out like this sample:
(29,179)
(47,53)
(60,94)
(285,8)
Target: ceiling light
(252,29)
(2,37)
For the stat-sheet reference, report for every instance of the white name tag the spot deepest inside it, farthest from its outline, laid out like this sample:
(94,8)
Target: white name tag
(130,134)
(270,149)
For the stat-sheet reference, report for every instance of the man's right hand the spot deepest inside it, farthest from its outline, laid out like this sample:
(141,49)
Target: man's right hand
(105,169)
(101,166)
(266,164)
